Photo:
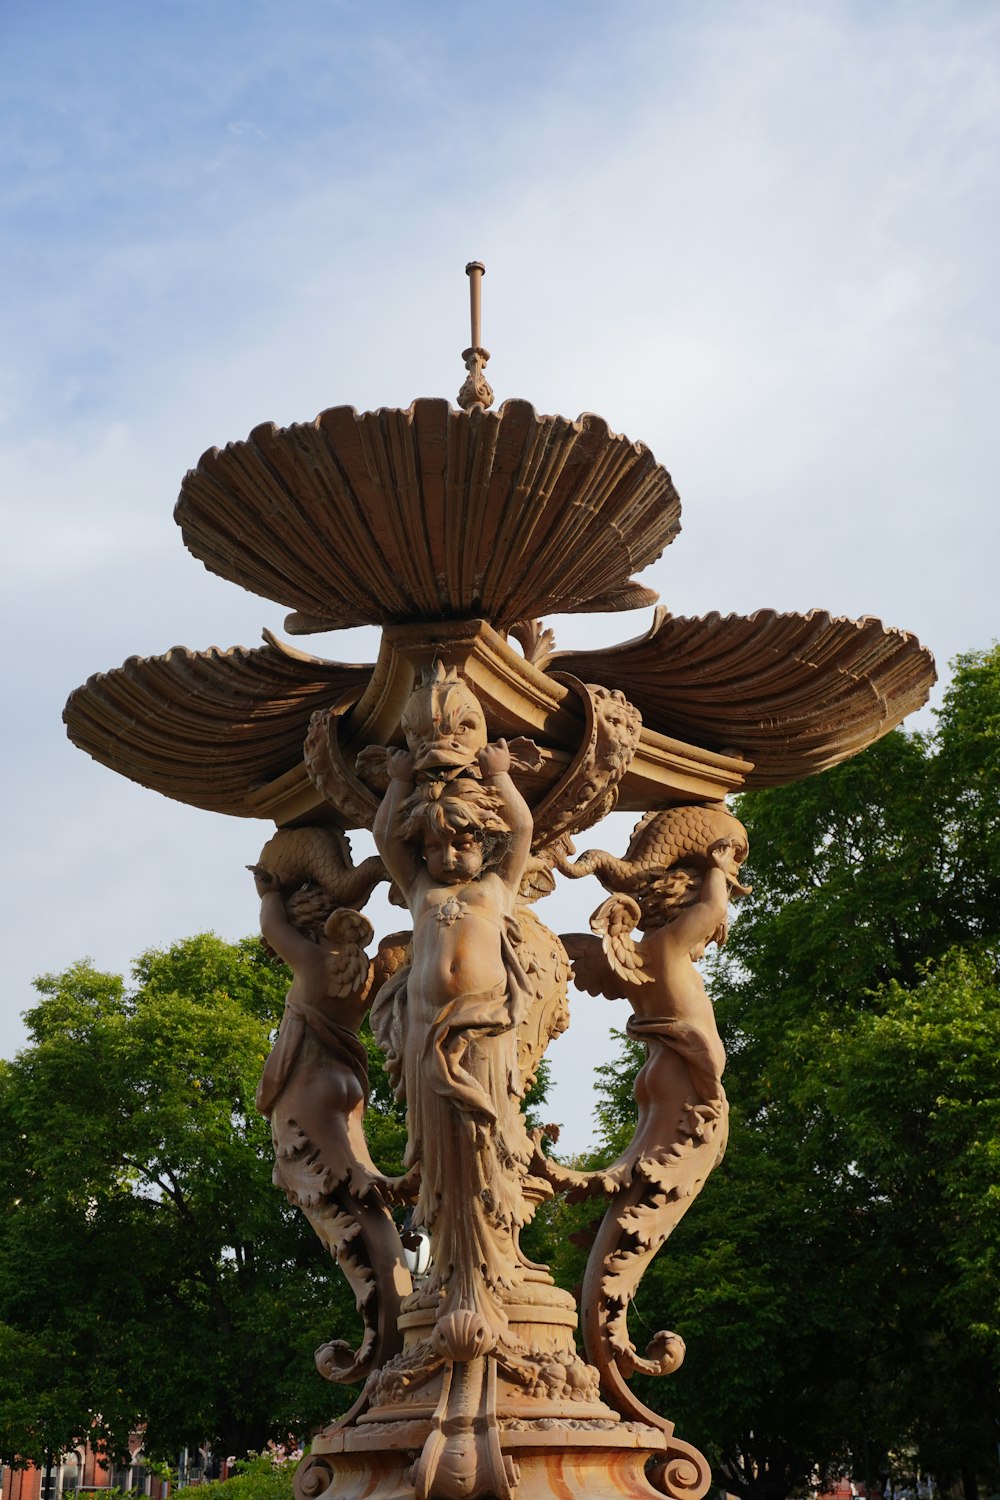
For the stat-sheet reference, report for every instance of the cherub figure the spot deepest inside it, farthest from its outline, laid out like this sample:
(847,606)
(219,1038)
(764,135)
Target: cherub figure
(457,849)
(675,883)
(681,907)
(314,1090)
(315,1081)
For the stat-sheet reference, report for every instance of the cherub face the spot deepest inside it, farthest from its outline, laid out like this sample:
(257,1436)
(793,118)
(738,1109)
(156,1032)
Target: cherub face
(452,858)
(445,727)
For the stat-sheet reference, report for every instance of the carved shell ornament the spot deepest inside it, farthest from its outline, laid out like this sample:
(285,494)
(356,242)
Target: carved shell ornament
(457,531)
(434,514)
(795,694)
(429,513)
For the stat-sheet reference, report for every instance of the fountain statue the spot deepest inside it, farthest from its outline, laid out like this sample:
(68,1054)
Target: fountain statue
(476,752)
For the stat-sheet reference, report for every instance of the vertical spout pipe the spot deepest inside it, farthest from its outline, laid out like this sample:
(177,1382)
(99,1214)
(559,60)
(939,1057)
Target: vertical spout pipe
(475,271)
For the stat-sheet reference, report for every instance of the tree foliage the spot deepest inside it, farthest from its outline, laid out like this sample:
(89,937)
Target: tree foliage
(262,1476)
(150,1274)
(838,1282)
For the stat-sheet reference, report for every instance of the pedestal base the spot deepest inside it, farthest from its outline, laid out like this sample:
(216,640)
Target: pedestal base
(540,1460)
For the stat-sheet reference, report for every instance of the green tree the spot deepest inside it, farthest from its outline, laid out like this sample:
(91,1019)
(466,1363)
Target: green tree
(911,1088)
(267,1476)
(864,873)
(774,1303)
(150,1274)
(837,1280)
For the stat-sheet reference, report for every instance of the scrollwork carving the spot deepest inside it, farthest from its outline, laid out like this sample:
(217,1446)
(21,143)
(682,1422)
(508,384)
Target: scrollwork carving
(464,1006)
(589,789)
(462,1456)
(546,967)
(329,771)
(682,1474)
(313,1477)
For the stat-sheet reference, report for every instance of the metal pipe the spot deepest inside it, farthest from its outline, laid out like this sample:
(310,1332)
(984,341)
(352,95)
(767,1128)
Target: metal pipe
(475,271)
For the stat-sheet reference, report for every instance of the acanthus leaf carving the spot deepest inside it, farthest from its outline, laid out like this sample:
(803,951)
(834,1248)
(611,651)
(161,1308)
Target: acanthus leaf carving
(536,640)
(328,770)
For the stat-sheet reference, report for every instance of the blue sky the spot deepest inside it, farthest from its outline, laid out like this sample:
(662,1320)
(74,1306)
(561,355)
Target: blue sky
(760,237)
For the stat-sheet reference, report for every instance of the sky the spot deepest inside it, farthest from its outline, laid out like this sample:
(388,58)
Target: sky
(760,237)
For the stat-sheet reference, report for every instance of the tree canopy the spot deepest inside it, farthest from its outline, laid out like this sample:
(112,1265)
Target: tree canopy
(838,1282)
(150,1274)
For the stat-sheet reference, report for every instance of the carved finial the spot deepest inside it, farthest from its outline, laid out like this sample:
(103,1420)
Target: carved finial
(476,391)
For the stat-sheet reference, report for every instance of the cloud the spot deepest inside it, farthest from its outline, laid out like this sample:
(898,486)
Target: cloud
(757,237)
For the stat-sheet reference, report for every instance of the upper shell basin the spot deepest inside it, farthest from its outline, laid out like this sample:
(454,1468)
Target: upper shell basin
(429,513)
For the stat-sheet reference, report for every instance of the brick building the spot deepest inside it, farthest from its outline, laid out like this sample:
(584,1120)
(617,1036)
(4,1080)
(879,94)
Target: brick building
(82,1469)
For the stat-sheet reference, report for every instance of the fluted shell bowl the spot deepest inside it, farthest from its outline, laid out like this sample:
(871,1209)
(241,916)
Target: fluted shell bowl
(430,513)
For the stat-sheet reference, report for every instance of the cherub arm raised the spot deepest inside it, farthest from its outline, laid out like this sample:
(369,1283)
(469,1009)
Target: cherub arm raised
(707,916)
(293,946)
(494,763)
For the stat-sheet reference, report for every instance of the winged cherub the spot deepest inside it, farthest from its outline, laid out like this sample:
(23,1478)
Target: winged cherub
(457,850)
(314,1088)
(675,885)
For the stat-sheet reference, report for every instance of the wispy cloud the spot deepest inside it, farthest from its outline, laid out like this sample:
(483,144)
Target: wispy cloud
(758,236)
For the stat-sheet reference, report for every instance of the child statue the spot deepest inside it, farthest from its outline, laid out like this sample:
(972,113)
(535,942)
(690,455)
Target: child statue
(675,883)
(455,835)
(314,1086)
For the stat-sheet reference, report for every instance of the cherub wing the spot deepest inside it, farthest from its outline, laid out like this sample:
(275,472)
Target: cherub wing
(347,932)
(591,971)
(393,953)
(613,922)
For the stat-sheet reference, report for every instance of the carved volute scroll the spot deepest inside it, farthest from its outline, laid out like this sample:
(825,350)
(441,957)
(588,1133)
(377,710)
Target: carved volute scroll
(329,772)
(589,790)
